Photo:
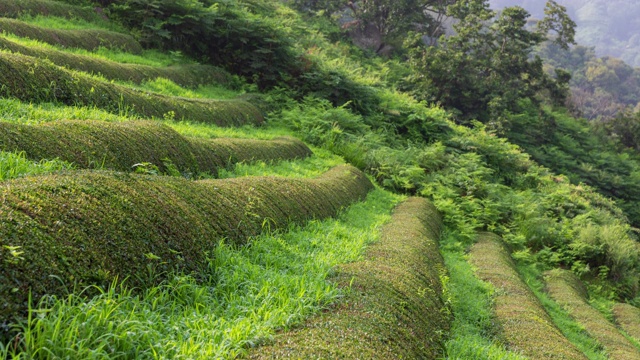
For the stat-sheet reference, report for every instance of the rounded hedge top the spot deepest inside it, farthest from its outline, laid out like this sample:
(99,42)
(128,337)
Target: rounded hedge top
(87,227)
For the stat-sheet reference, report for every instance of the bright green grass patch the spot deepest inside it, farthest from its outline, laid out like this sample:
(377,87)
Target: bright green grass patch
(208,131)
(149,57)
(74,23)
(571,329)
(167,87)
(244,296)
(310,167)
(13,165)
(473,332)
(16,111)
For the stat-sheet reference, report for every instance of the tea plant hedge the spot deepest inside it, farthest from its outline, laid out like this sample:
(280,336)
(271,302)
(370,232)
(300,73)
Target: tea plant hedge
(36,80)
(16,8)
(525,325)
(627,317)
(395,309)
(119,146)
(89,39)
(567,290)
(61,231)
(184,75)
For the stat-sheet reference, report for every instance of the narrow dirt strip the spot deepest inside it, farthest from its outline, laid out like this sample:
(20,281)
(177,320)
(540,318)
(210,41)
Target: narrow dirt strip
(394,308)
(566,289)
(526,326)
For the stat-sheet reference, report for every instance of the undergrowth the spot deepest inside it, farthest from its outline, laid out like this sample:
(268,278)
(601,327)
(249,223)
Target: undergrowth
(244,295)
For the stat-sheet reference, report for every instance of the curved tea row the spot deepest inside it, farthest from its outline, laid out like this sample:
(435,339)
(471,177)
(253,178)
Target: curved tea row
(34,80)
(86,227)
(120,145)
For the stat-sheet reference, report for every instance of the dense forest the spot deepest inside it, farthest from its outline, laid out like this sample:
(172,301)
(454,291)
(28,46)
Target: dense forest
(316,179)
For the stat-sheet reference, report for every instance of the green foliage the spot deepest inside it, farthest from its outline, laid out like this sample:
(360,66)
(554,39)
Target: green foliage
(89,227)
(35,80)
(484,69)
(226,34)
(242,296)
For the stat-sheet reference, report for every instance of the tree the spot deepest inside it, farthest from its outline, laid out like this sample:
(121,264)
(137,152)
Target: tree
(483,70)
(386,20)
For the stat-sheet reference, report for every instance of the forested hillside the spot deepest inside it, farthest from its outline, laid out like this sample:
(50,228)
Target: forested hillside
(611,27)
(206,179)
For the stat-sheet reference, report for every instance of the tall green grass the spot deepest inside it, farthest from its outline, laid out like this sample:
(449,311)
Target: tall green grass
(13,165)
(167,87)
(244,295)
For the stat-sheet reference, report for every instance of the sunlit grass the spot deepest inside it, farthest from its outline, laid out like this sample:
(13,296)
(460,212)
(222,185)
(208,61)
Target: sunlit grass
(16,111)
(55,22)
(13,165)
(150,57)
(168,87)
(244,295)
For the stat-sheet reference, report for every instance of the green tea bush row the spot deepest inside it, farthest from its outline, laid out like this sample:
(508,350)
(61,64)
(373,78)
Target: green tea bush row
(567,289)
(36,80)
(395,309)
(88,39)
(525,325)
(87,227)
(17,8)
(184,75)
(119,146)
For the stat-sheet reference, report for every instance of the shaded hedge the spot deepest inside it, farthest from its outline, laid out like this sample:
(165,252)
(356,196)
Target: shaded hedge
(628,319)
(118,146)
(16,8)
(89,39)
(568,291)
(87,227)
(183,75)
(526,326)
(36,80)
(395,309)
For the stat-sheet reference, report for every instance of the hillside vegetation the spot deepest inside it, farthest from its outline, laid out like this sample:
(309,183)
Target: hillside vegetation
(304,197)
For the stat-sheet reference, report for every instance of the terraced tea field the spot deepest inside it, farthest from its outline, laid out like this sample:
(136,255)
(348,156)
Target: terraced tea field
(154,207)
